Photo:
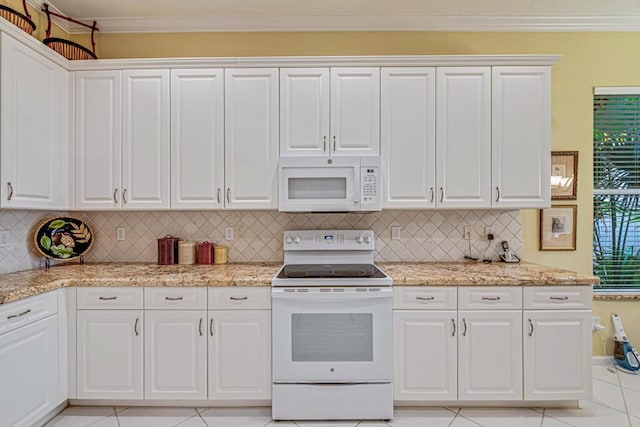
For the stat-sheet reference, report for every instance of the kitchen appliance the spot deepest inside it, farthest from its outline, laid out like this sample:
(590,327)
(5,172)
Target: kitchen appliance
(329,184)
(332,329)
(623,352)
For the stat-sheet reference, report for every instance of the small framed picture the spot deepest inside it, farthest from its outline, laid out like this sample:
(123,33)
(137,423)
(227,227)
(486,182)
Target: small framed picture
(564,175)
(558,228)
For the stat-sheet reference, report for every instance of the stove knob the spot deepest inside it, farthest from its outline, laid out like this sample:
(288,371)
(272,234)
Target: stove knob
(367,239)
(296,240)
(359,239)
(289,240)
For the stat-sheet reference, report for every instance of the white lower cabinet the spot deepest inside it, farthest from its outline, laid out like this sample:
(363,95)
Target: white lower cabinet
(557,354)
(29,373)
(490,355)
(175,360)
(425,355)
(109,354)
(239,354)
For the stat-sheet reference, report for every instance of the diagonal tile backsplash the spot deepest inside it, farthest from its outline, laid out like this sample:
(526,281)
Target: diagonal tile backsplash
(425,235)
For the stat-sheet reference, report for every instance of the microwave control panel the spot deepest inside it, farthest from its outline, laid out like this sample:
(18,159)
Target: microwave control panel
(370,190)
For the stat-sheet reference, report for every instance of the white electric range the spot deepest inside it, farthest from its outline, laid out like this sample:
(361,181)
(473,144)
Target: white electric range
(332,329)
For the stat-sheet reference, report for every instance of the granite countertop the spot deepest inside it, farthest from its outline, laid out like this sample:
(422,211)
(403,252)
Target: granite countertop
(15,286)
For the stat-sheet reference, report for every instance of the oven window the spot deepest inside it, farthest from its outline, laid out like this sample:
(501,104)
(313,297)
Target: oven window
(332,337)
(334,188)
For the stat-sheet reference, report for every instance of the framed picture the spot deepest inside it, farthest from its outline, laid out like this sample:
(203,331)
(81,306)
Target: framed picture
(564,175)
(558,228)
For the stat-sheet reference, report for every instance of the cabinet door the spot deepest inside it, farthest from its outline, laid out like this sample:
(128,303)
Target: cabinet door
(175,360)
(355,111)
(109,348)
(463,137)
(408,101)
(425,362)
(145,140)
(557,354)
(490,355)
(98,168)
(239,354)
(304,111)
(251,138)
(521,128)
(197,139)
(34,129)
(29,372)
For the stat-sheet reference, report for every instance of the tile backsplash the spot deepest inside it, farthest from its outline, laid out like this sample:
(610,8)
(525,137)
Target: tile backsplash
(425,235)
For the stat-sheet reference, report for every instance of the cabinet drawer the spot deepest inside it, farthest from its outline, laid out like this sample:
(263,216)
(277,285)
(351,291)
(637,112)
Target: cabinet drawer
(109,298)
(239,298)
(425,298)
(490,298)
(19,313)
(564,297)
(175,298)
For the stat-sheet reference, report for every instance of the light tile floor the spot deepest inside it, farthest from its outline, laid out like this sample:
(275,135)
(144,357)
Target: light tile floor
(616,403)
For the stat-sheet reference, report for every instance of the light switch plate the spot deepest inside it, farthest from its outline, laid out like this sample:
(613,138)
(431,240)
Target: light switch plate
(120,234)
(4,238)
(466,232)
(395,232)
(228,233)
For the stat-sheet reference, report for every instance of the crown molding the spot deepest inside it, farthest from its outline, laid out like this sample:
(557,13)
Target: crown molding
(62,23)
(363,23)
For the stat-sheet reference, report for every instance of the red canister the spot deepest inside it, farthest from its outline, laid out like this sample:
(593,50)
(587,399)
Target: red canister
(205,253)
(168,250)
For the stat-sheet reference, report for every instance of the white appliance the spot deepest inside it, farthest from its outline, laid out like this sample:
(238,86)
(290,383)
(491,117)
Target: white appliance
(332,329)
(329,184)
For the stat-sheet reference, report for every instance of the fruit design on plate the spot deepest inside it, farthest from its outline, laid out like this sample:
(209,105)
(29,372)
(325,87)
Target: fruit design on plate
(63,237)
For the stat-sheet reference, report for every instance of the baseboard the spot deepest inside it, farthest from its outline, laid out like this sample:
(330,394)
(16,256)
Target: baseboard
(49,416)
(172,403)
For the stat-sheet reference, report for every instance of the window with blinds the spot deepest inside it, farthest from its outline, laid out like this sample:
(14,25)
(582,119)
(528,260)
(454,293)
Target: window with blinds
(616,183)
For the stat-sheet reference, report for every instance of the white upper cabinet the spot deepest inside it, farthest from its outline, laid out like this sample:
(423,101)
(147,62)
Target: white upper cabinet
(251,138)
(463,137)
(145,141)
(34,129)
(408,101)
(329,111)
(355,111)
(197,139)
(98,177)
(521,128)
(304,111)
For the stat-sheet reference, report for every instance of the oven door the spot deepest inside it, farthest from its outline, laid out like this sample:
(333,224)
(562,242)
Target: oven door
(332,335)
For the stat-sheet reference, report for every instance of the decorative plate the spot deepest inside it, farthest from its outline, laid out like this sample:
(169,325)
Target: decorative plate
(63,237)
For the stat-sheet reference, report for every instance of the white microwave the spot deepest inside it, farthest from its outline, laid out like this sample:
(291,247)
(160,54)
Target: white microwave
(329,184)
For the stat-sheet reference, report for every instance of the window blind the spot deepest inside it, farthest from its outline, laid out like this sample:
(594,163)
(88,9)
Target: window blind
(616,198)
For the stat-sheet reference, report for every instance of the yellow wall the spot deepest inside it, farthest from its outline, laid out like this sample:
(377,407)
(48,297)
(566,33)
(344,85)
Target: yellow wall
(38,18)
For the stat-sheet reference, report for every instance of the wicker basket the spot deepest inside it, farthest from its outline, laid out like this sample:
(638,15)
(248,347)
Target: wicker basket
(22,21)
(67,48)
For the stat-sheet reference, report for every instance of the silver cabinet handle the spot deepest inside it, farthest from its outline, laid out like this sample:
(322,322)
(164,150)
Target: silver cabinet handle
(124,196)
(530,327)
(228,195)
(453,323)
(135,327)
(173,298)
(490,298)
(425,298)
(334,143)
(464,331)
(200,326)
(115,196)
(432,195)
(13,316)
(498,196)
(441,194)
(324,146)
(238,298)
(211,327)
(10,196)
(559,298)
(107,298)
(218,195)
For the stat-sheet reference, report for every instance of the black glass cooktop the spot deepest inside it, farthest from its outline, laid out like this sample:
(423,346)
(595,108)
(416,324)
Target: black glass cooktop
(330,271)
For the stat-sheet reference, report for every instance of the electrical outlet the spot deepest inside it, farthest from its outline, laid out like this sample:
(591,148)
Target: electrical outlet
(4,238)
(120,234)
(487,231)
(395,232)
(228,233)
(466,232)
(595,320)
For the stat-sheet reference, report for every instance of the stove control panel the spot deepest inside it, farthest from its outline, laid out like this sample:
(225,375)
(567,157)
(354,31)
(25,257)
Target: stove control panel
(318,240)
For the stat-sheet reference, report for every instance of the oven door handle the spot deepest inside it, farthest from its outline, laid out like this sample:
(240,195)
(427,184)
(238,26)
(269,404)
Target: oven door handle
(279,294)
